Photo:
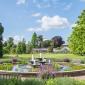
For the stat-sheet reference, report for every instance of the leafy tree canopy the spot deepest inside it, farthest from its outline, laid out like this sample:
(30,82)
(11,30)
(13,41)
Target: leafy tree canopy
(77,38)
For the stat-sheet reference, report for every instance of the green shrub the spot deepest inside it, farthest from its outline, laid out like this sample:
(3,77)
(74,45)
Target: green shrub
(56,66)
(56,81)
(6,67)
(47,75)
(50,49)
(19,82)
(33,82)
(64,81)
(77,67)
(10,82)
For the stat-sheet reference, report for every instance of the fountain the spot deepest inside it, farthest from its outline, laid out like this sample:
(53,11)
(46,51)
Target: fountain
(32,58)
(22,68)
(49,61)
(63,68)
(34,62)
(40,55)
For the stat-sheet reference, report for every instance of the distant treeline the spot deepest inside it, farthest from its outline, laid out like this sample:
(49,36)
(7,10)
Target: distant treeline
(37,41)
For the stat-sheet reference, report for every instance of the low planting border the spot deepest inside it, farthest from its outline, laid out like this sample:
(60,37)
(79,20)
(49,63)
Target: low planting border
(70,73)
(9,75)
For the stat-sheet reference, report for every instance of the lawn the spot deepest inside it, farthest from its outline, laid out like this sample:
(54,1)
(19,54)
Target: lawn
(45,55)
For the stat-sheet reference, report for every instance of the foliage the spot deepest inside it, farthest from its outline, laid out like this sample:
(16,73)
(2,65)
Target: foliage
(57,41)
(5,50)
(1,39)
(46,43)
(10,43)
(7,67)
(77,38)
(20,82)
(13,50)
(21,47)
(9,46)
(34,40)
(82,61)
(47,75)
(33,82)
(13,81)
(64,81)
(70,66)
(56,66)
(29,48)
(40,41)
(50,49)
(77,67)
(56,81)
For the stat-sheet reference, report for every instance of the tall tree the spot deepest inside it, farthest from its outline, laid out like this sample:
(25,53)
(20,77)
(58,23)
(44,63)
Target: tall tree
(19,48)
(28,47)
(10,43)
(57,41)
(77,38)
(1,39)
(40,41)
(5,44)
(13,49)
(46,43)
(34,40)
(23,46)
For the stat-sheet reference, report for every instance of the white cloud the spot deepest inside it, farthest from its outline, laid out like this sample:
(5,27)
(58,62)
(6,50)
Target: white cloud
(17,38)
(36,14)
(47,23)
(67,7)
(34,29)
(43,5)
(54,22)
(21,2)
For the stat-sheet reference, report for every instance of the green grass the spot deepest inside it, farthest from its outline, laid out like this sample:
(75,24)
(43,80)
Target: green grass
(46,55)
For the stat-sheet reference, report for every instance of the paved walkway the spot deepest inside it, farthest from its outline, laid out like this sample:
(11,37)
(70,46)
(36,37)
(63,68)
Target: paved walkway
(79,77)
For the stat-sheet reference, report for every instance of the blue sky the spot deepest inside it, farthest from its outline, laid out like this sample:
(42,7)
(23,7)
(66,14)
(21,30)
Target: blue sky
(21,18)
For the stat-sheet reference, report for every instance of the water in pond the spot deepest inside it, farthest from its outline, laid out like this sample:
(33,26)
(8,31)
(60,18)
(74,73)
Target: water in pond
(64,68)
(22,68)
